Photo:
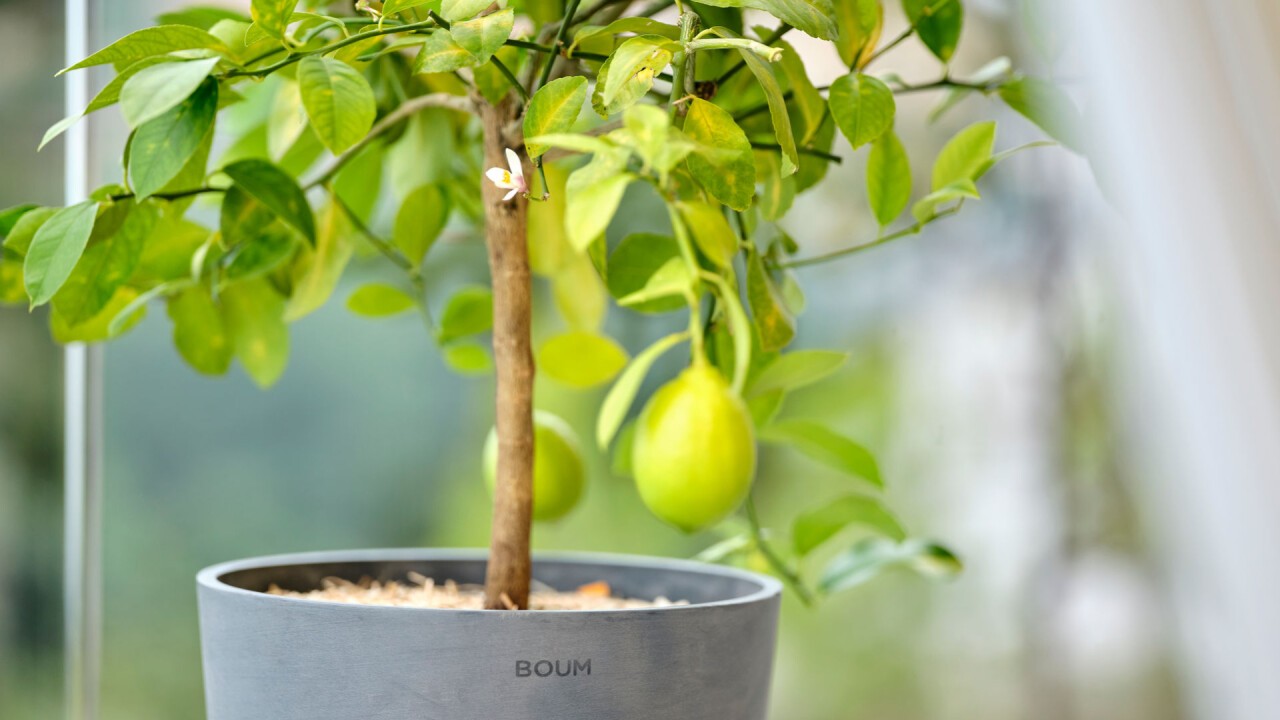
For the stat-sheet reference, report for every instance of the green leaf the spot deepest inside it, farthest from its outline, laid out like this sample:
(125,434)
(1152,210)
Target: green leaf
(859,22)
(483,36)
(441,54)
(637,25)
(97,328)
(628,73)
(623,393)
(965,155)
(1044,104)
(150,42)
(862,106)
(469,312)
(814,17)
(813,109)
(359,182)
(317,271)
(888,178)
(593,193)
(277,191)
(773,322)
(553,109)
(645,261)
(256,242)
(729,173)
(829,448)
(254,315)
(647,130)
(338,100)
(199,17)
(273,16)
(926,208)
(379,300)
(9,218)
(797,369)
(580,294)
(871,556)
(779,192)
(938,23)
(765,407)
(156,89)
(468,358)
(199,331)
(391,7)
(738,326)
(710,230)
(816,527)
(581,359)
(419,222)
(105,266)
(777,105)
(56,248)
(455,10)
(162,147)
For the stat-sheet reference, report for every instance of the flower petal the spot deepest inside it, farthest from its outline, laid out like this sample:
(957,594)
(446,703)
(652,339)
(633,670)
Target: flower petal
(513,161)
(511,194)
(498,176)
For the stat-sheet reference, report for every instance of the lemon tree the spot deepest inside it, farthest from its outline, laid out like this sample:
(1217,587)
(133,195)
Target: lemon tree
(272,145)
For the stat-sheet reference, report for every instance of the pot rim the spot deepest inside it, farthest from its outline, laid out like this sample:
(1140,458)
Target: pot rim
(211,577)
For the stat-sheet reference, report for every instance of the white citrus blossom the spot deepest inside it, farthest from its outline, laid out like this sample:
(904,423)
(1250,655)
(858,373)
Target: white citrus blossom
(509,179)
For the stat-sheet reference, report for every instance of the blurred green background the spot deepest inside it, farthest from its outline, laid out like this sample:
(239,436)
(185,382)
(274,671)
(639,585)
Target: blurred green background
(979,373)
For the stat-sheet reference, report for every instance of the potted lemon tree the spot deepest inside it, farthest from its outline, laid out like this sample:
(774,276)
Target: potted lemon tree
(271,145)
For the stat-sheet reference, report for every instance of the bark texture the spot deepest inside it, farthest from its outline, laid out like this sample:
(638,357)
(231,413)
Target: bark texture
(508,574)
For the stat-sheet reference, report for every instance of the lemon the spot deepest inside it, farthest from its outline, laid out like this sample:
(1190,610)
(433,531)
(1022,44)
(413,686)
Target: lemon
(558,472)
(695,453)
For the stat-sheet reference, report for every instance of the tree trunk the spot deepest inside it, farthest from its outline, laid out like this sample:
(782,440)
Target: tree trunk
(508,574)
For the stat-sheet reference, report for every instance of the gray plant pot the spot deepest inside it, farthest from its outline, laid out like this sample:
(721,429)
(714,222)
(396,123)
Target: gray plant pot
(275,658)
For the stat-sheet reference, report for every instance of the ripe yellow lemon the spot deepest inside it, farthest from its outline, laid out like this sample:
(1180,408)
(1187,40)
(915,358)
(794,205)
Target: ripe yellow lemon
(695,452)
(558,472)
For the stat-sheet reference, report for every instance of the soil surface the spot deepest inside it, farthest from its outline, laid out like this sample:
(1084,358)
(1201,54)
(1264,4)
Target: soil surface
(424,592)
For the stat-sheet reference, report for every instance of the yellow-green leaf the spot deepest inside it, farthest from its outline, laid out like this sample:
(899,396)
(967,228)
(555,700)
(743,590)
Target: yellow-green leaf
(553,109)
(581,359)
(484,35)
(56,248)
(888,178)
(421,218)
(338,100)
(862,106)
(273,16)
(162,147)
(469,312)
(728,172)
(200,331)
(254,315)
(150,42)
(379,300)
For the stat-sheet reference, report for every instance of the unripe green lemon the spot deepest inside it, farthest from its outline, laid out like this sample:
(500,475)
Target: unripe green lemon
(695,451)
(558,472)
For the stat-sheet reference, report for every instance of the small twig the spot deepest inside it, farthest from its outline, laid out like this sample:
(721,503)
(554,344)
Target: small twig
(779,566)
(382,246)
(558,45)
(511,78)
(295,57)
(774,37)
(836,254)
(829,157)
